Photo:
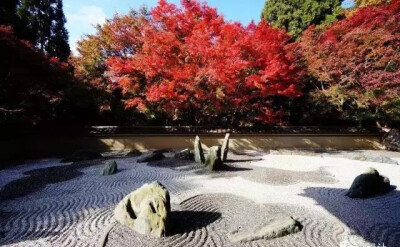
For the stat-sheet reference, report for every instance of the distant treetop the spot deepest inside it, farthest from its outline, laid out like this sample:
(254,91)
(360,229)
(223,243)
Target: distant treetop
(296,15)
(362,3)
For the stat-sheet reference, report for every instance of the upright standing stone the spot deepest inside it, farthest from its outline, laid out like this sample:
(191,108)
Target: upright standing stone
(198,151)
(214,162)
(225,147)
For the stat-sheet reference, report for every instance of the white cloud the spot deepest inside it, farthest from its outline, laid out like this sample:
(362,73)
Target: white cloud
(82,22)
(73,43)
(348,3)
(87,16)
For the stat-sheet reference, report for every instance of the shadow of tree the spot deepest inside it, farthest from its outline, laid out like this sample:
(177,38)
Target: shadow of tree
(226,168)
(240,161)
(39,178)
(9,235)
(187,221)
(187,165)
(376,219)
(173,163)
(224,171)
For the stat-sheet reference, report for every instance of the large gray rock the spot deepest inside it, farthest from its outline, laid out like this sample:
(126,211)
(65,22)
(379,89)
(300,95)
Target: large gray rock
(225,147)
(145,210)
(185,154)
(369,184)
(275,229)
(198,151)
(109,168)
(391,140)
(150,157)
(82,156)
(213,161)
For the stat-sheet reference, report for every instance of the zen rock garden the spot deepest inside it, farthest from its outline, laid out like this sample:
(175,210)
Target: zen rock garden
(147,209)
(204,196)
(190,123)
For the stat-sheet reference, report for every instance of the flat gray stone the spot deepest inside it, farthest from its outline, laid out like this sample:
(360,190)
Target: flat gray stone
(185,154)
(274,229)
(150,157)
(133,153)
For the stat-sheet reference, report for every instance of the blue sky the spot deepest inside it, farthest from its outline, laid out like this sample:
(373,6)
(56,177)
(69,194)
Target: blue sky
(82,16)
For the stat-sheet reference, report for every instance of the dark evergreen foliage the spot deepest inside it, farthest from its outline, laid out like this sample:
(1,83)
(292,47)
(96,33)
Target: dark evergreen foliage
(8,11)
(44,21)
(296,15)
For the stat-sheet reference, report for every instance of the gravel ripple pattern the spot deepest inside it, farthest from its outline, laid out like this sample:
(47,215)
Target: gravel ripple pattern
(75,208)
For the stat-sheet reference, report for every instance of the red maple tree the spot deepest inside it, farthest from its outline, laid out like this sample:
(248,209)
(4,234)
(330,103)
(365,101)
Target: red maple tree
(358,60)
(192,64)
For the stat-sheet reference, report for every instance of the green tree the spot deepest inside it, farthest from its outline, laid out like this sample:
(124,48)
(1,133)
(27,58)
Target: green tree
(296,15)
(43,21)
(58,43)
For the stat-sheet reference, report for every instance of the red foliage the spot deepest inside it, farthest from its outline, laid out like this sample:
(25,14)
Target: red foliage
(31,83)
(190,62)
(359,57)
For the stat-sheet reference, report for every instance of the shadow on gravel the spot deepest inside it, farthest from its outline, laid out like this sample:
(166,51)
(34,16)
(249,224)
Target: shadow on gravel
(176,164)
(240,161)
(249,153)
(225,171)
(226,168)
(187,221)
(13,234)
(376,219)
(39,178)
